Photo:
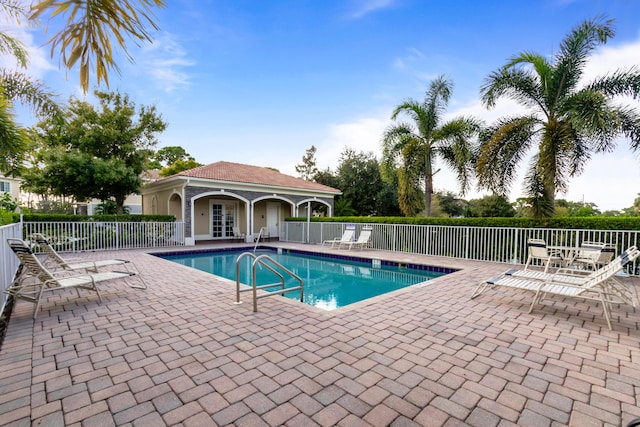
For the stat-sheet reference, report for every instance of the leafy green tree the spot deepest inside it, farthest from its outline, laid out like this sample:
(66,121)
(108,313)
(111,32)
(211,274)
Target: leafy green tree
(171,154)
(493,206)
(360,180)
(566,122)
(91,25)
(326,177)
(308,169)
(410,149)
(387,200)
(99,153)
(633,210)
(450,204)
(179,166)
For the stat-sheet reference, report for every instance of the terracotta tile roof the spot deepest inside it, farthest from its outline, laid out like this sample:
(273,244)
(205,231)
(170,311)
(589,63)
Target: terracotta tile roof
(237,172)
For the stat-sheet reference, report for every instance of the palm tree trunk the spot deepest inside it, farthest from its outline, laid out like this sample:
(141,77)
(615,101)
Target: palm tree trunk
(428,184)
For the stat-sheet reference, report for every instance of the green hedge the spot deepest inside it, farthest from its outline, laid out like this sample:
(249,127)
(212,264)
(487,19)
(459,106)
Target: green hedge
(34,217)
(586,223)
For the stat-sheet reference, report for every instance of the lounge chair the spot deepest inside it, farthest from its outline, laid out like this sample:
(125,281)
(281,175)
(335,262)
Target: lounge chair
(54,262)
(538,250)
(33,279)
(597,286)
(362,242)
(570,275)
(238,235)
(347,236)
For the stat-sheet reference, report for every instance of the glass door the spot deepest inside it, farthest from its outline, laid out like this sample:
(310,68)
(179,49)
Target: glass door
(230,219)
(223,219)
(217,220)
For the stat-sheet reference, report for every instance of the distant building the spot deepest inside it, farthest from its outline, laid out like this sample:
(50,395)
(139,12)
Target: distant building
(10,185)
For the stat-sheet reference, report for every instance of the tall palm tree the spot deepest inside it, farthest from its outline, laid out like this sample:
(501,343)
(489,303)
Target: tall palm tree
(411,149)
(567,121)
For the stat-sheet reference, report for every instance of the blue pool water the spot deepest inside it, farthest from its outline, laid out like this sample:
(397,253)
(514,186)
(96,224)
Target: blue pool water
(329,283)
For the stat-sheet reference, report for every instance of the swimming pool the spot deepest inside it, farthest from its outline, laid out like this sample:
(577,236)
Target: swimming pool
(330,281)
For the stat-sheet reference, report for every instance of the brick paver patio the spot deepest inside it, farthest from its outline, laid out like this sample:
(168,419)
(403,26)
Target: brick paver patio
(181,353)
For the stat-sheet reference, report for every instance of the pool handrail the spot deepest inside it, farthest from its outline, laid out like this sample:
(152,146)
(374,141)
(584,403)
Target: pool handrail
(263,260)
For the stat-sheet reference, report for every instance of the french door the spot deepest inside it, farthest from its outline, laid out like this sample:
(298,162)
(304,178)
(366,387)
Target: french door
(223,218)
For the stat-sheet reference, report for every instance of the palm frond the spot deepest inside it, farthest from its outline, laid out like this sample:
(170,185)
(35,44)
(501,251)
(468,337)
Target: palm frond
(620,82)
(574,51)
(90,27)
(518,84)
(502,147)
(21,88)
(13,139)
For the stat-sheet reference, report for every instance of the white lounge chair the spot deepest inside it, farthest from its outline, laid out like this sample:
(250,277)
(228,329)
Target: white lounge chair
(33,279)
(347,236)
(569,275)
(597,286)
(54,262)
(538,250)
(362,242)
(238,235)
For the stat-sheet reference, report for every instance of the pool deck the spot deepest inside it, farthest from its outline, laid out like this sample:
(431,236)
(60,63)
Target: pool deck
(182,354)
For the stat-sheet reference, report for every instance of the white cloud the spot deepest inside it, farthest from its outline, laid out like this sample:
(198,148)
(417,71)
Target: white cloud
(165,61)
(362,134)
(39,63)
(361,8)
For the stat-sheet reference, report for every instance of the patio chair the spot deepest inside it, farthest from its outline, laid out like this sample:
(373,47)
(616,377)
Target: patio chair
(54,262)
(598,286)
(347,236)
(238,235)
(538,251)
(592,255)
(362,242)
(33,279)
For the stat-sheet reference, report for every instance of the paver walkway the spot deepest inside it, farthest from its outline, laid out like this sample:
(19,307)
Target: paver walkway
(181,353)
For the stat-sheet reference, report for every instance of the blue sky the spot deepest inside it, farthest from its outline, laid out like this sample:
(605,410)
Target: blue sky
(259,82)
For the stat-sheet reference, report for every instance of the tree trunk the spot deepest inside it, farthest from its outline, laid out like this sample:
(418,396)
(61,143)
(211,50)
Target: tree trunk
(428,184)
(119,205)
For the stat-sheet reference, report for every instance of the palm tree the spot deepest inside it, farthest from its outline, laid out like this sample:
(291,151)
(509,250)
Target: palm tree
(15,86)
(90,27)
(566,122)
(410,149)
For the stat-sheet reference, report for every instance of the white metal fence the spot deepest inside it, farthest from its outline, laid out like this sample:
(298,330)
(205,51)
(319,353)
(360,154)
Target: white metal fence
(87,236)
(101,236)
(495,244)
(8,261)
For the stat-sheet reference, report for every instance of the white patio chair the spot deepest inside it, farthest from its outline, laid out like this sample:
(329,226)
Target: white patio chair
(347,236)
(362,242)
(538,251)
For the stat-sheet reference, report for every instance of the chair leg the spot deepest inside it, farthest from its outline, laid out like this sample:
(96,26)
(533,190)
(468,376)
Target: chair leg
(536,299)
(607,310)
(526,265)
(479,289)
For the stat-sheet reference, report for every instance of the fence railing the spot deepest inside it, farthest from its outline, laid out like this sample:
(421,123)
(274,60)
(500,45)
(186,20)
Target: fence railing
(494,244)
(8,261)
(97,236)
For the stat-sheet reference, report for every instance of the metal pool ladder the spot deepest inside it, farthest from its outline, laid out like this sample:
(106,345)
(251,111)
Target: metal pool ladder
(272,265)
